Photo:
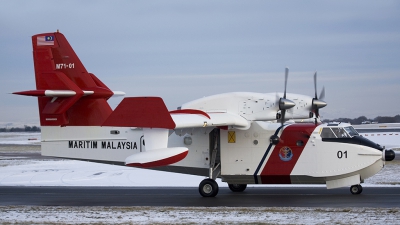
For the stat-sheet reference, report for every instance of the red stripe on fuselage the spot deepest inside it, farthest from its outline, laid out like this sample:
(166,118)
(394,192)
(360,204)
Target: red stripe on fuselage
(276,170)
(161,162)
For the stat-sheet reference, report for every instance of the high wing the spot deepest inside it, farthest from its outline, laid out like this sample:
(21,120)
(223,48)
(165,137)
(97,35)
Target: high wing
(189,118)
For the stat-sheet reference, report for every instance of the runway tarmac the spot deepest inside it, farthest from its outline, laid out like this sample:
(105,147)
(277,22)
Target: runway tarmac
(376,197)
(258,196)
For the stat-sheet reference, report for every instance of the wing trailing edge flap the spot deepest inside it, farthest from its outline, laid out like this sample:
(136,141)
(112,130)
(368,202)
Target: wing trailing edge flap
(214,119)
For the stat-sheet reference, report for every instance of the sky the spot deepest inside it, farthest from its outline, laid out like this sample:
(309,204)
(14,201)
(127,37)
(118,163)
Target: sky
(184,50)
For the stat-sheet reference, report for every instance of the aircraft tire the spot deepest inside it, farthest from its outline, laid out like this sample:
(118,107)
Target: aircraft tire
(208,188)
(356,189)
(237,187)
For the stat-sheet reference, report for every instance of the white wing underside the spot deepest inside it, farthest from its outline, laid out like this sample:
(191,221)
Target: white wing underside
(218,119)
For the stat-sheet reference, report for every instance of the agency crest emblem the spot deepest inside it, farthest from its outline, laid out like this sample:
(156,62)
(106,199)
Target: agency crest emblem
(285,153)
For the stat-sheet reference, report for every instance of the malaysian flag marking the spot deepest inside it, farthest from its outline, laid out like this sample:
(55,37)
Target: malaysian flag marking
(45,40)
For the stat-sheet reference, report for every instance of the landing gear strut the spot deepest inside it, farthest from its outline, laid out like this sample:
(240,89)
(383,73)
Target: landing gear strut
(356,189)
(208,188)
(237,187)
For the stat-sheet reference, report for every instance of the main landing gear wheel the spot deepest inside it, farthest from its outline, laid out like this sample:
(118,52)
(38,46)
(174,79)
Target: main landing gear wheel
(208,188)
(356,189)
(237,187)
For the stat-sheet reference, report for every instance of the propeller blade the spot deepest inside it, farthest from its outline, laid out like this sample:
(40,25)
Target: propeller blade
(286,78)
(277,98)
(283,116)
(284,103)
(322,95)
(315,84)
(318,103)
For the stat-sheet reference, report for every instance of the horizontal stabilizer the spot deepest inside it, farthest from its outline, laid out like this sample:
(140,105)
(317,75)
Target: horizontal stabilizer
(62,93)
(157,157)
(48,93)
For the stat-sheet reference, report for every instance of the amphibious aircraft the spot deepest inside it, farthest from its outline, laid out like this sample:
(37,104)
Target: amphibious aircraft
(242,137)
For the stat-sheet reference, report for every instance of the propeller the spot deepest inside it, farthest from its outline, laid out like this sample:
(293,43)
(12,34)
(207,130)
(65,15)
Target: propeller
(318,103)
(284,103)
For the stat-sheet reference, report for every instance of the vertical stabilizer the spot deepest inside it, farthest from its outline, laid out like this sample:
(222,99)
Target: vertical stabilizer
(68,95)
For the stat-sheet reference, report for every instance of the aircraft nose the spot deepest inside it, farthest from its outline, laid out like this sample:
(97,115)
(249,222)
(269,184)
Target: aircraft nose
(389,155)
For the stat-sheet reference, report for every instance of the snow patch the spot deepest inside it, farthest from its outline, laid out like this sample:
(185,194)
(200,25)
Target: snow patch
(197,215)
(20,138)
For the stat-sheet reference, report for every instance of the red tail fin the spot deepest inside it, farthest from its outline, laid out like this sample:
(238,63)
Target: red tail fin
(67,93)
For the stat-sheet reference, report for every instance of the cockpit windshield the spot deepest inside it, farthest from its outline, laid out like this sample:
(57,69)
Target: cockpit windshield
(351,131)
(338,132)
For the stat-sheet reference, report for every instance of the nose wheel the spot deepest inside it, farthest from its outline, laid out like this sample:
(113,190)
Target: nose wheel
(208,188)
(356,189)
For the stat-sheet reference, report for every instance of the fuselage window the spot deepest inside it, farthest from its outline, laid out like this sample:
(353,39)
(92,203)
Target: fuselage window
(300,143)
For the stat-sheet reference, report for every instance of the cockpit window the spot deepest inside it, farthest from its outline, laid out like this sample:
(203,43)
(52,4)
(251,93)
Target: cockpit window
(337,132)
(340,132)
(327,133)
(351,131)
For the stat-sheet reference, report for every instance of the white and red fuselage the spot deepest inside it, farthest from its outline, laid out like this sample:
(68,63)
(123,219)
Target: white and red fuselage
(245,152)
(229,135)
